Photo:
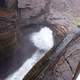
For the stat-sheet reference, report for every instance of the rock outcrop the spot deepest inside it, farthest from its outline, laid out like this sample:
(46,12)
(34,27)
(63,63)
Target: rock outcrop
(47,13)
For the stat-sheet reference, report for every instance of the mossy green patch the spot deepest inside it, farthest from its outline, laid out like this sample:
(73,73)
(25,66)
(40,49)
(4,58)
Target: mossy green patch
(76,21)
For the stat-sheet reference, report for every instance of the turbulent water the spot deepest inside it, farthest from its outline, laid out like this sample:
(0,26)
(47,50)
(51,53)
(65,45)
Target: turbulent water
(43,40)
(78,78)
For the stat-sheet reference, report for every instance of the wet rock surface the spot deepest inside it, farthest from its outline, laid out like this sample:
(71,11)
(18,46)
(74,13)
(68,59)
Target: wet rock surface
(65,68)
(7,34)
(69,65)
(45,12)
(25,49)
(60,12)
(31,7)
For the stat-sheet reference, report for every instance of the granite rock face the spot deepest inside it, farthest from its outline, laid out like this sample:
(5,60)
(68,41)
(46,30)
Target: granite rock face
(66,67)
(54,11)
(33,11)
(60,12)
(31,7)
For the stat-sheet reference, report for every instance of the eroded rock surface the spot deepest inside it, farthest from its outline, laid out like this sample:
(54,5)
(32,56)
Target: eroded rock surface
(51,12)
(54,11)
(66,66)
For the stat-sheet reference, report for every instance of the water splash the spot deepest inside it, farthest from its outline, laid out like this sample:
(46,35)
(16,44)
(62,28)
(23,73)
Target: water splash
(26,67)
(43,39)
(78,78)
